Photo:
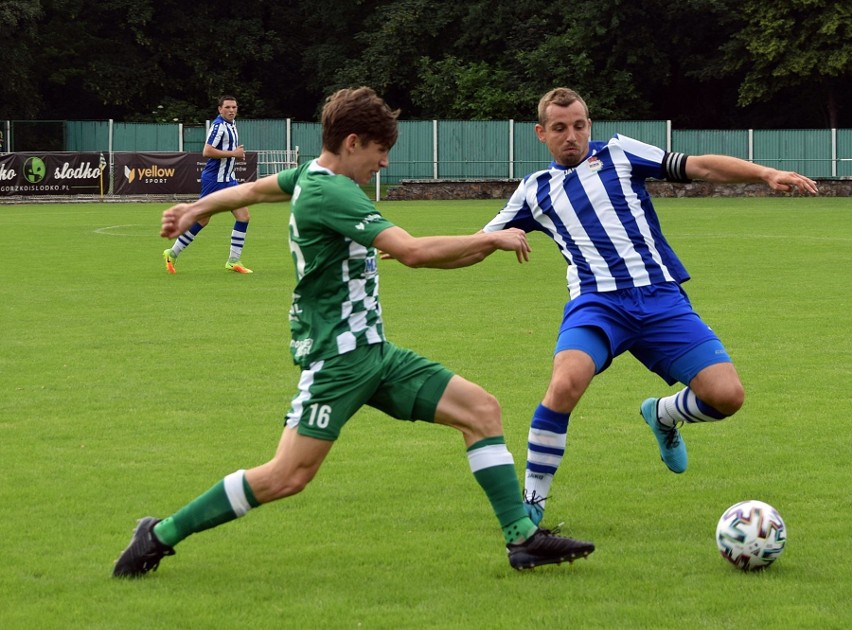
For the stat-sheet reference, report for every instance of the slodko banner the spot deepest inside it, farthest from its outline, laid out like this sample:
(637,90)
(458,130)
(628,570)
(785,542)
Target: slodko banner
(54,174)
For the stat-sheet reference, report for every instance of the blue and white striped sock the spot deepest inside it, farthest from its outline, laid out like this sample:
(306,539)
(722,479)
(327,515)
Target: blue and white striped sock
(545,449)
(185,240)
(685,406)
(238,240)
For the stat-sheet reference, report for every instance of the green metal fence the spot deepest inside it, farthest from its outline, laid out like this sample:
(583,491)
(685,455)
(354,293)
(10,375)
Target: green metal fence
(450,149)
(412,156)
(843,159)
(806,151)
(264,135)
(86,135)
(697,142)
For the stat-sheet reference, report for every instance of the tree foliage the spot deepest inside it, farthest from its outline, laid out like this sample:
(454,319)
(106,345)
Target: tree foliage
(799,45)
(700,63)
(19,32)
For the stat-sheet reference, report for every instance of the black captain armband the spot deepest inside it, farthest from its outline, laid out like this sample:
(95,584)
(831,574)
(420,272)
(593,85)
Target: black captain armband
(674,167)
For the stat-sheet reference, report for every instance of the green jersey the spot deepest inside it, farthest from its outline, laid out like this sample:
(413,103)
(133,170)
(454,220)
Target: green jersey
(336,298)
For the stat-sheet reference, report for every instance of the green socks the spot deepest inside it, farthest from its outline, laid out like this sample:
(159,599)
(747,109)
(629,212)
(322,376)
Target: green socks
(494,469)
(227,500)
(490,461)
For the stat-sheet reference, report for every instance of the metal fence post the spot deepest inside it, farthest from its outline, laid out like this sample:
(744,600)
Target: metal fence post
(511,148)
(111,156)
(434,149)
(833,152)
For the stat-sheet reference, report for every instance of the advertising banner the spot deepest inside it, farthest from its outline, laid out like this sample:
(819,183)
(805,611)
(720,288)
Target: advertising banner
(54,174)
(169,173)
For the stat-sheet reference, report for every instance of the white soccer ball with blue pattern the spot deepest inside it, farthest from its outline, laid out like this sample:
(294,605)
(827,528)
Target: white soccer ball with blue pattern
(751,535)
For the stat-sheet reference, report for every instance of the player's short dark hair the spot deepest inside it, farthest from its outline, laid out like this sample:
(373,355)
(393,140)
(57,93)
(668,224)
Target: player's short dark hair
(226,97)
(360,111)
(561,96)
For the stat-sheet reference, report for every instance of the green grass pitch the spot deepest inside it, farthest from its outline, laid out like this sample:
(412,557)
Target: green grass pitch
(127,392)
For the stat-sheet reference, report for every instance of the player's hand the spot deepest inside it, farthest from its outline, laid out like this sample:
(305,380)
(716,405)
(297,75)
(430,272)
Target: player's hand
(514,240)
(787,181)
(176,220)
(241,152)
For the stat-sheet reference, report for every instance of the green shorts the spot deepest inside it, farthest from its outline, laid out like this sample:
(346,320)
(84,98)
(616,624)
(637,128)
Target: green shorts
(399,382)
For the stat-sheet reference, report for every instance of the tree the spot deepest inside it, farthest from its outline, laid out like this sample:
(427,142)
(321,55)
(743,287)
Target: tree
(700,63)
(795,46)
(389,43)
(125,58)
(18,32)
(626,58)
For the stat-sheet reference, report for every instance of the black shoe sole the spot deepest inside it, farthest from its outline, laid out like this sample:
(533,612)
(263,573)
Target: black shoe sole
(522,561)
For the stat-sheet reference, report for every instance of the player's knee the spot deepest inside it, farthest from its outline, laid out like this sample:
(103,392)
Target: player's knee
(563,394)
(277,481)
(486,415)
(736,398)
(729,399)
(720,387)
(495,419)
(288,487)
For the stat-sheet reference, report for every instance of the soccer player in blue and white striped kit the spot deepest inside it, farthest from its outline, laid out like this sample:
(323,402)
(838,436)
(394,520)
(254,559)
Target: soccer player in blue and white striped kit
(222,150)
(624,281)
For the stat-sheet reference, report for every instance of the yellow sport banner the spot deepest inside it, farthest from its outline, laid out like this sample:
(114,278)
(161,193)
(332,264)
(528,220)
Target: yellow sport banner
(169,173)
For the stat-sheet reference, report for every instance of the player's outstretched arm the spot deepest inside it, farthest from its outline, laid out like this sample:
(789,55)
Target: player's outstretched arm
(727,169)
(450,252)
(179,218)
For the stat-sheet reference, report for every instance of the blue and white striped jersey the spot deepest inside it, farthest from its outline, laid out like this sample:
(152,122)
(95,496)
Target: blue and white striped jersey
(223,136)
(600,215)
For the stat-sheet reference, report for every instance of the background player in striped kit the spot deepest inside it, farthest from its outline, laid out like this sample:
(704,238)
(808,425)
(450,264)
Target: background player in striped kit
(624,281)
(222,150)
(338,341)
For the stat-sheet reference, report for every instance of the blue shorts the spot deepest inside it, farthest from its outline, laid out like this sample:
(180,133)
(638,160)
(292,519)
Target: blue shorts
(210,185)
(656,324)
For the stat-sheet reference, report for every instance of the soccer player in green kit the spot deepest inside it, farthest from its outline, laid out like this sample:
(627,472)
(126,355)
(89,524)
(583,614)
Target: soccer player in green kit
(338,341)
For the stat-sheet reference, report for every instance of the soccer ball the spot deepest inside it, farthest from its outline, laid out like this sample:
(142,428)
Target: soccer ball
(751,535)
